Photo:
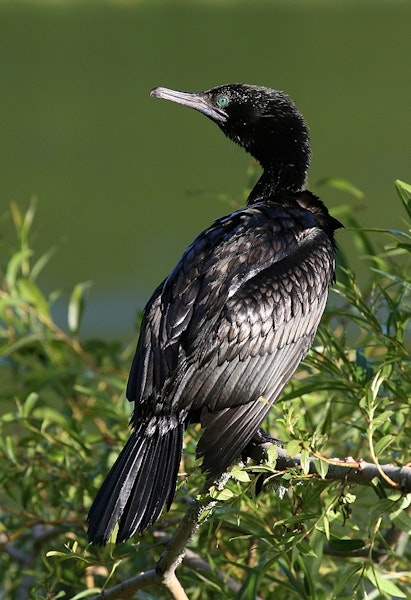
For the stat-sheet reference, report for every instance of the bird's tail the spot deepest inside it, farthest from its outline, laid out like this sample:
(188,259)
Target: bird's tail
(140,483)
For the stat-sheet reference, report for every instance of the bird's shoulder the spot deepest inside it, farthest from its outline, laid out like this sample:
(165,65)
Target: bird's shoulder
(238,245)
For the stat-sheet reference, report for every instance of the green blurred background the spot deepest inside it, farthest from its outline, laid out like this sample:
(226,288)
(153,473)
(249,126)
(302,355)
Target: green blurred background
(120,177)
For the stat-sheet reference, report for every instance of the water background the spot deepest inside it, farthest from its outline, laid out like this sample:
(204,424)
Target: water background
(125,182)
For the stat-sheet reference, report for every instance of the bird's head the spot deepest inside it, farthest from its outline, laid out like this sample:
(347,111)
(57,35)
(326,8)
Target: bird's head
(263,121)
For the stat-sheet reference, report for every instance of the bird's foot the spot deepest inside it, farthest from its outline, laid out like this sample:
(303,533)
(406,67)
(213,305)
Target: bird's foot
(255,447)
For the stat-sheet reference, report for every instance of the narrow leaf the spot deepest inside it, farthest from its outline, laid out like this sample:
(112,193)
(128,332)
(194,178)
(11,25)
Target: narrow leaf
(305,461)
(321,467)
(76,306)
(384,585)
(404,192)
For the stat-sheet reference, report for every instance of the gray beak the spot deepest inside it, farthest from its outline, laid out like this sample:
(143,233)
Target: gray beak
(197,100)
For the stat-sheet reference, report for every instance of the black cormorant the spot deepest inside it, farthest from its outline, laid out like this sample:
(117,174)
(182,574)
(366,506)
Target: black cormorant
(224,332)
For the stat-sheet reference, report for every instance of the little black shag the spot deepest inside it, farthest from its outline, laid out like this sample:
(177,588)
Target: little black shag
(222,335)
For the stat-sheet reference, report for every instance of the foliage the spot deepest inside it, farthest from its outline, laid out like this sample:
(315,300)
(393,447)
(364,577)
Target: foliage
(64,419)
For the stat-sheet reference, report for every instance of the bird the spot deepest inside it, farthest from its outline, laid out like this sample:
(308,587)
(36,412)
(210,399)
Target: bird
(223,334)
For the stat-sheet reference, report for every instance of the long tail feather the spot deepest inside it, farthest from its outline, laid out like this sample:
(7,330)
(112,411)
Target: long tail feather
(140,483)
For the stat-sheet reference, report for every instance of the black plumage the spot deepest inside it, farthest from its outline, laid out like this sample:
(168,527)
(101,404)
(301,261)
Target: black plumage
(224,332)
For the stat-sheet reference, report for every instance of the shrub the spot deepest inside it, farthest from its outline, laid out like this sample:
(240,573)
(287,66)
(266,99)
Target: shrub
(65,418)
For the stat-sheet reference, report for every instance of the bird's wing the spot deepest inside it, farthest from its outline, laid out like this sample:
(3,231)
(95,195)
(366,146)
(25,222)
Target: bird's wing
(264,331)
(191,323)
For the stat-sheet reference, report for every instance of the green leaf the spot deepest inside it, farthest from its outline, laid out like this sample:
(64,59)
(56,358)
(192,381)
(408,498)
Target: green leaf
(404,192)
(76,306)
(240,474)
(10,449)
(47,413)
(382,444)
(321,467)
(29,404)
(305,461)
(28,220)
(306,549)
(67,556)
(52,553)
(15,266)
(402,520)
(40,263)
(32,294)
(293,447)
(221,495)
(272,455)
(16,215)
(384,585)
(326,525)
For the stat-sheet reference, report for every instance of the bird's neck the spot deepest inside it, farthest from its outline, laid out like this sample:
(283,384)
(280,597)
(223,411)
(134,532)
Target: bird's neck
(276,179)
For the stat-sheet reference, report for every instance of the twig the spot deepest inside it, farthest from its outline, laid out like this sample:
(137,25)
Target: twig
(164,571)
(127,588)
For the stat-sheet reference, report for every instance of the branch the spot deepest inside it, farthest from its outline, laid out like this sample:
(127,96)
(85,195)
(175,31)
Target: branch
(354,471)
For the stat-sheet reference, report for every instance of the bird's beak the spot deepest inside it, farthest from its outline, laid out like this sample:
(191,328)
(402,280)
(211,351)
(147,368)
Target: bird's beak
(197,100)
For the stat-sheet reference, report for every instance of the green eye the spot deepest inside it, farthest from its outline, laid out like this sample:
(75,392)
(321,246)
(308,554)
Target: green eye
(222,101)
